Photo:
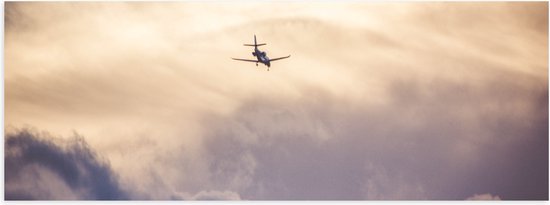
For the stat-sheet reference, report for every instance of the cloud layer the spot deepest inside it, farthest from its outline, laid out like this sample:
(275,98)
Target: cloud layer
(378,101)
(327,148)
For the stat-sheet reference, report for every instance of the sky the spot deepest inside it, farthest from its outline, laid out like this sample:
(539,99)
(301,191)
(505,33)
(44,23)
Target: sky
(378,101)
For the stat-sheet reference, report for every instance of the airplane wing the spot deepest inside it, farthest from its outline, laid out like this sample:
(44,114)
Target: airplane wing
(255,61)
(279,58)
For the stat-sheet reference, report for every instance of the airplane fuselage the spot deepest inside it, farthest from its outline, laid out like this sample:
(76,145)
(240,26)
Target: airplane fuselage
(261,56)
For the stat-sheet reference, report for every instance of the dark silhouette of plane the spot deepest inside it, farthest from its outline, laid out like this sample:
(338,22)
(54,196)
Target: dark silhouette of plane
(260,55)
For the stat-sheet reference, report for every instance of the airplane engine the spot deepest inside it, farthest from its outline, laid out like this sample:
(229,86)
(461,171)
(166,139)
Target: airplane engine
(263,53)
(254,53)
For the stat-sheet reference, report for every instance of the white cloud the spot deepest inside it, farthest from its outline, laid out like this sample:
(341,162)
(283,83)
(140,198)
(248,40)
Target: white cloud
(484,197)
(216,195)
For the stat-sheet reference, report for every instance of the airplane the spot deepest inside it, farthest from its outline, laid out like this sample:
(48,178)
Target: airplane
(260,55)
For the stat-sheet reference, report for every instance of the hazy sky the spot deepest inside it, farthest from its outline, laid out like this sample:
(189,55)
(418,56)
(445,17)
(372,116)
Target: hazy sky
(378,101)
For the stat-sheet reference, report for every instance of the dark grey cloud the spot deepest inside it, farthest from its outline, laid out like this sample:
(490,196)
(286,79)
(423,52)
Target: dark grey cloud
(30,156)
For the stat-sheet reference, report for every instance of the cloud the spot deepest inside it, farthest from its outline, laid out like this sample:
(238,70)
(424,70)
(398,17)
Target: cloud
(42,167)
(216,195)
(483,197)
(379,101)
(429,135)
(383,184)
